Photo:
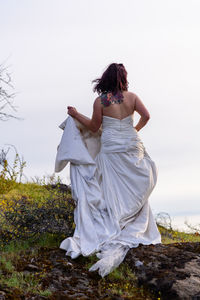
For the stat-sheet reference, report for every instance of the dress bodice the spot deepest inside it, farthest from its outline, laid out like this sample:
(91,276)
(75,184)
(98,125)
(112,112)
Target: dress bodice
(111,122)
(120,136)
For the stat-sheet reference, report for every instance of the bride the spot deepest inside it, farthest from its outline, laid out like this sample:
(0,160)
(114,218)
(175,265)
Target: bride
(112,185)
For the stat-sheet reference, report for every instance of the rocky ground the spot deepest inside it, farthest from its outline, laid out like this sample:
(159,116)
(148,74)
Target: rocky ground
(70,279)
(158,272)
(173,270)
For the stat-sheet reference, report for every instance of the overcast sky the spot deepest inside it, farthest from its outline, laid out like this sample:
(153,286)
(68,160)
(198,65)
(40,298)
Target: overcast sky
(54,49)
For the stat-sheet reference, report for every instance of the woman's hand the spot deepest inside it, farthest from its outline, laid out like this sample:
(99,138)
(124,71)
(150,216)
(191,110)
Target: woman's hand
(72,111)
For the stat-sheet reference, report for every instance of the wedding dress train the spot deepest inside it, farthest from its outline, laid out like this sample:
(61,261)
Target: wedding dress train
(112,176)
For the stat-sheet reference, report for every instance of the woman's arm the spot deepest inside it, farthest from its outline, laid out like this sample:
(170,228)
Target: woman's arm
(92,124)
(145,116)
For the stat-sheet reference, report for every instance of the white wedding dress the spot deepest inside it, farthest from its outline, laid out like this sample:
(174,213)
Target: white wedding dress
(112,177)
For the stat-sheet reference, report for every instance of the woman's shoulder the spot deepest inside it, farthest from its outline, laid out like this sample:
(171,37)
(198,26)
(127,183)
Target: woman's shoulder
(130,94)
(97,101)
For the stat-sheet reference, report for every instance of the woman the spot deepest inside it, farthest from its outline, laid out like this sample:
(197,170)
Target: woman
(113,87)
(125,173)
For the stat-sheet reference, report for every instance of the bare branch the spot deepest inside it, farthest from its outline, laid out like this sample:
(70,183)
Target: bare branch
(164,219)
(6,95)
(193,228)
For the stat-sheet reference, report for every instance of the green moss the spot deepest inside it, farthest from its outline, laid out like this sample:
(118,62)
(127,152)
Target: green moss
(123,282)
(123,271)
(44,293)
(6,265)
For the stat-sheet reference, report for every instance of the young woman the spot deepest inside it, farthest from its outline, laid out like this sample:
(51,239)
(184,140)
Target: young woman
(125,173)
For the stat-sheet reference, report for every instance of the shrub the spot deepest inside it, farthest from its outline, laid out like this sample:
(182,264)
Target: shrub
(31,210)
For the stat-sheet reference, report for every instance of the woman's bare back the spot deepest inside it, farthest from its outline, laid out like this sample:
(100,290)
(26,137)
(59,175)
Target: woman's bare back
(121,110)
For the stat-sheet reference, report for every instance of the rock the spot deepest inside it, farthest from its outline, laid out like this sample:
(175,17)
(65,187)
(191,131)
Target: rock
(138,263)
(189,286)
(31,267)
(37,297)
(78,296)
(2,295)
(173,270)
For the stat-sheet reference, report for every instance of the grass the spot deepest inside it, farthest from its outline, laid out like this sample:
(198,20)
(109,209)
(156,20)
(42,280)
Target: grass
(174,236)
(45,240)
(19,280)
(23,281)
(30,192)
(122,281)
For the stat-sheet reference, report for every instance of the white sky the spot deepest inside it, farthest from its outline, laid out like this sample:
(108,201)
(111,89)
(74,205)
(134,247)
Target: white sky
(56,48)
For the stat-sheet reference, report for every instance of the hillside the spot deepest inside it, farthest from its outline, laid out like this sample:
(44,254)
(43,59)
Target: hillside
(36,217)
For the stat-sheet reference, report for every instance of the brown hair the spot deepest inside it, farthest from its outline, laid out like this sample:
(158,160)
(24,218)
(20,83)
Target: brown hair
(114,79)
